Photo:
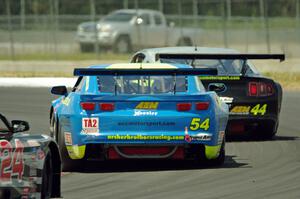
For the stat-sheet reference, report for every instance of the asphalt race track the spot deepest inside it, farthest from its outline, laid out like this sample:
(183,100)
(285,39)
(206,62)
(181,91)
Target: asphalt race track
(253,169)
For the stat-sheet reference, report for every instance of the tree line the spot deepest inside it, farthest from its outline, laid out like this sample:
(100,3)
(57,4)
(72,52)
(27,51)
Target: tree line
(280,8)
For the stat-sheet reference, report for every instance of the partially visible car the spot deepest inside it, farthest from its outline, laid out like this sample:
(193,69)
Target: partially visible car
(128,29)
(30,165)
(138,111)
(254,100)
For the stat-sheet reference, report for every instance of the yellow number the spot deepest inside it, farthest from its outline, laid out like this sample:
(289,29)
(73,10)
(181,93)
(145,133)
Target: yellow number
(205,124)
(196,124)
(263,109)
(257,109)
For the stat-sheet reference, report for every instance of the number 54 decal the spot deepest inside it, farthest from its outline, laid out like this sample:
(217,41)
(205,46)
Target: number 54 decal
(197,124)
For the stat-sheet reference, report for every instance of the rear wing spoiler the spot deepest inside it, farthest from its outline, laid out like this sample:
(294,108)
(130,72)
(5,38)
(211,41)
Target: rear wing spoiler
(146,72)
(280,57)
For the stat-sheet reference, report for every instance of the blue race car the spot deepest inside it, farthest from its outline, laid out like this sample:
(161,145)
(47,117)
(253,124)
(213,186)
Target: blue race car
(128,111)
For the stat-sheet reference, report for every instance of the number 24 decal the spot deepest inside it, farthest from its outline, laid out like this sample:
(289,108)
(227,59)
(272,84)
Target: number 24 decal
(197,124)
(11,162)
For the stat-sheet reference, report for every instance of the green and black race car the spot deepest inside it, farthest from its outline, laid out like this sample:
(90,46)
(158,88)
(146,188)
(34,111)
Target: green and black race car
(254,100)
(29,164)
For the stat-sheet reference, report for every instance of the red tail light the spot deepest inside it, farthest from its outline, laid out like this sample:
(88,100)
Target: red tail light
(88,106)
(253,89)
(202,106)
(184,106)
(260,89)
(107,106)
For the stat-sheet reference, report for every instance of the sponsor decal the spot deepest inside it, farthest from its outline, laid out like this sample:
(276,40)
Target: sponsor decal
(227,100)
(40,154)
(219,77)
(240,110)
(68,139)
(147,105)
(258,109)
(33,143)
(197,137)
(160,123)
(202,137)
(144,113)
(145,137)
(187,137)
(221,137)
(90,125)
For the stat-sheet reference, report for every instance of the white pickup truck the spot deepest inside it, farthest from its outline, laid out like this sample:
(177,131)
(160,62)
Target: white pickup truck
(130,29)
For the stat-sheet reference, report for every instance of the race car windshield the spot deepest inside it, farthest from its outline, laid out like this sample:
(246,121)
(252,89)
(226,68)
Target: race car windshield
(119,17)
(3,127)
(224,66)
(142,84)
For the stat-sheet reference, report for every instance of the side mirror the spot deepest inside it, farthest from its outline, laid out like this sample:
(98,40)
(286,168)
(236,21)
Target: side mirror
(217,87)
(59,90)
(20,125)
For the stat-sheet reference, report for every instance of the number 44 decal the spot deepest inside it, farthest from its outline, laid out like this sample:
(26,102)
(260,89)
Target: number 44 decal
(197,124)
(257,109)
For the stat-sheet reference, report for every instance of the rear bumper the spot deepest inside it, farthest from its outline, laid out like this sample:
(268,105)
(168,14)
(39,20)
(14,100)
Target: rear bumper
(249,125)
(137,151)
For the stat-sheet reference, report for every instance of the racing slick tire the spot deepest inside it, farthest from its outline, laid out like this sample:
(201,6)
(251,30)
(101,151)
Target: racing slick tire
(219,161)
(47,177)
(268,130)
(68,164)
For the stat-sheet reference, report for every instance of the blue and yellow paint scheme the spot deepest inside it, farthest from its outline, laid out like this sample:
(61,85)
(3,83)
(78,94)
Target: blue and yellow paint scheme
(139,119)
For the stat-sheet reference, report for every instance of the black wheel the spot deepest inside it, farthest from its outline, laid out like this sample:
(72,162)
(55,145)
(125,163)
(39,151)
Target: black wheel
(68,164)
(267,130)
(47,177)
(219,161)
(122,45)
(184,42)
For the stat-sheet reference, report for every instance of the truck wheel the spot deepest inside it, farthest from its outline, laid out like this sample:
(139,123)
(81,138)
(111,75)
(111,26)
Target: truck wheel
(185,42)
(122,45)
(86,47)
(68,164)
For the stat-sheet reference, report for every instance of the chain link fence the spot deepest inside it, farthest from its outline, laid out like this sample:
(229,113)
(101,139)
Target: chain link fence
(37,27)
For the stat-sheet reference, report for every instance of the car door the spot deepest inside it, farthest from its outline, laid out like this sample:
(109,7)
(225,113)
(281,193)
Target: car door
(157,29)
(142,26)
